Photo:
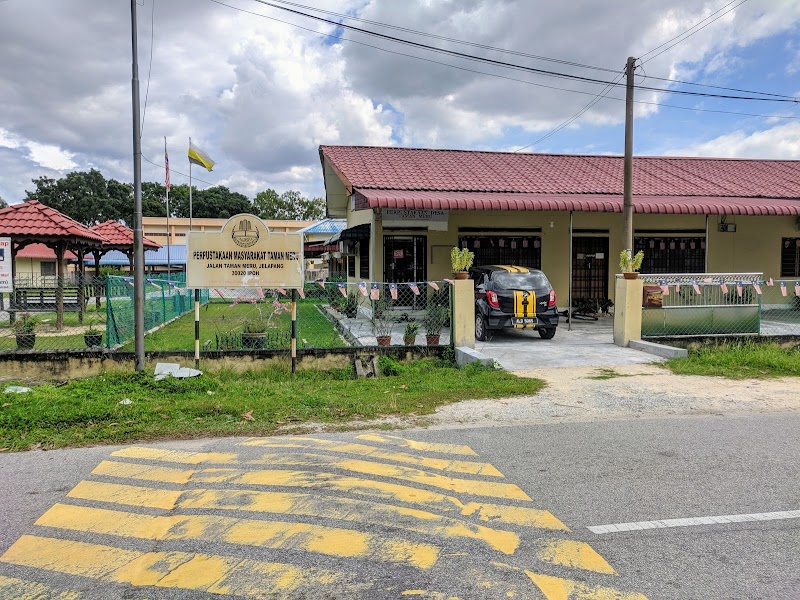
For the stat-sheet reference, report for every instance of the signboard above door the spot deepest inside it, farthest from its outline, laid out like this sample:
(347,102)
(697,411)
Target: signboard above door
(434,220)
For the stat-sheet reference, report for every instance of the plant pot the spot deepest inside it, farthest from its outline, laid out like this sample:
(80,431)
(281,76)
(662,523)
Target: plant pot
(432,340)
(460,275)
(409,340)
(253,341)
(632,275)
(25,341)
(93,340)
(384,340)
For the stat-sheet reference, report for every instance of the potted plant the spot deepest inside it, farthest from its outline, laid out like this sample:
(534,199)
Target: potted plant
(254,333)
(410,334)
(433,323)
(630,264)
(461,261)
(93,337)
(24,329)
(381,322)
(350,308)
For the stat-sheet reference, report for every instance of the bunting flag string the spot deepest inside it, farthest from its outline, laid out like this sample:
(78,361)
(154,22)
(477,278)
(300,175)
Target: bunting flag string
(797,288)
(414,288)
(757,287)
(664,287)
(342,289)
(302,293)
(739,289)
(695,286)
(393,290)
(154,284)
(375,291)
(321,283)
(770,283)
(724,287)
(434,285)
(783,288)
(282,291)
(450,281)
(677,287)
(362,287)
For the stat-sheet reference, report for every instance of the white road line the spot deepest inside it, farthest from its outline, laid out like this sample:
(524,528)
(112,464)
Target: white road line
(694,521)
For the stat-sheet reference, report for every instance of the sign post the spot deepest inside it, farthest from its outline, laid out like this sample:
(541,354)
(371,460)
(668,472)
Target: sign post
(6,275)
(245,254)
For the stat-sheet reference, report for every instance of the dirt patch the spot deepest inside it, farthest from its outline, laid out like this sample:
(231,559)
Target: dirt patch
(623,392)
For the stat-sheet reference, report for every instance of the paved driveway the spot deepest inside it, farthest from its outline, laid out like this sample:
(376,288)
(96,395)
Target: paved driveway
(589,344)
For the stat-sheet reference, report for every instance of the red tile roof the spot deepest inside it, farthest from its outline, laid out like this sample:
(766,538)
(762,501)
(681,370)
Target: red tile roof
(41,251)
(678,181)
(702,205)
(118,235)
(32,219)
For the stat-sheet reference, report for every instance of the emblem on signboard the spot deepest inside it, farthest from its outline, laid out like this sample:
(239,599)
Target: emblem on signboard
(244,234)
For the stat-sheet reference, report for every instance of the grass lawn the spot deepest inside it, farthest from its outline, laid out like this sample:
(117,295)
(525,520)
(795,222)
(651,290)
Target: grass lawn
(218,319)
(739,361)
(88,411)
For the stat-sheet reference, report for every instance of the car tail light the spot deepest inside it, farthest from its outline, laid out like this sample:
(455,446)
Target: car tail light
(552,300)
(491,298)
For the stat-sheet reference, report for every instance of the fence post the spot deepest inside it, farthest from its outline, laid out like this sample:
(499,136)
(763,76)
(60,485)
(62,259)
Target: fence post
(627,310)
(294,329)
(462,322)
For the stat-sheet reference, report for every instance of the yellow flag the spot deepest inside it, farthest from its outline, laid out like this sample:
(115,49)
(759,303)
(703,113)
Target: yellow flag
(199,157)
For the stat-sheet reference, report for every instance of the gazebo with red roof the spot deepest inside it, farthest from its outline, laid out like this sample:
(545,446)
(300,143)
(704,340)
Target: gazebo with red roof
(118,237)
(32,222)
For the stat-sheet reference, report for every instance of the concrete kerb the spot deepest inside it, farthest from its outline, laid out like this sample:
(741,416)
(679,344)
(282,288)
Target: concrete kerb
(466,355)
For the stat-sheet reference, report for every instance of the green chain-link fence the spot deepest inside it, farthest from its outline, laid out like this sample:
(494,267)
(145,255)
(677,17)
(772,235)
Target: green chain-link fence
(720,304)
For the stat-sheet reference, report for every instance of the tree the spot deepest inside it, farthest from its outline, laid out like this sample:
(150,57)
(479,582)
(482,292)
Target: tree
(84,196)
(289,205)
(219,202)
(3,203)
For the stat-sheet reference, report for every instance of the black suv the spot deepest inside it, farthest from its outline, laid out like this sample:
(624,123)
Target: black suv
(509,296)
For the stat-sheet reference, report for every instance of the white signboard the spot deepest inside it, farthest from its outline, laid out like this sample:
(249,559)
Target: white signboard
(6,281)
(435,220)
(244,254)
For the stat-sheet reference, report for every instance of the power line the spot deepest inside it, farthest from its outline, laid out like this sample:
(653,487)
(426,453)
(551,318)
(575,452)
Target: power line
(171,171)
(479,59)
(150,68)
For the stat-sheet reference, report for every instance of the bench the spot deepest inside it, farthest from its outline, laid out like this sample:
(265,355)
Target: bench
(43,300)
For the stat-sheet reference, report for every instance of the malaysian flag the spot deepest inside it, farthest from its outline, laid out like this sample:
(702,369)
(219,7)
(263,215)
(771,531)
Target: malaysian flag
(739,289)
(757,287)
(321,283)
(724,287)
(797,288)
(342,289)
(166,166)
(374,290)
(664,287)
(434,285)
(677,287)
(260,293)
(414,288)
(695,287)
(302,292)
(362,287)
(770,283)
(393,290)
(783,288)
(450,281)
(282,291)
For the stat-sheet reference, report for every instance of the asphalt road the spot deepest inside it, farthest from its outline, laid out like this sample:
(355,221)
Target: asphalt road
(472,513)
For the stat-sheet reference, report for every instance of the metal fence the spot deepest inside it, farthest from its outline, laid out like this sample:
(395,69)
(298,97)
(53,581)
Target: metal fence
(330,314)
(720,304)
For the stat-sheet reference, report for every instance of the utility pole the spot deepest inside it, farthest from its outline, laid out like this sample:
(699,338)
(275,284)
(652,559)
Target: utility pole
(627,230)
(138,240)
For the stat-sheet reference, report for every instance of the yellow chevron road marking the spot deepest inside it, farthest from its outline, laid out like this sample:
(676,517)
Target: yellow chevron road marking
(491,513)
(20,589)
(440,464)
(333,541)
(555,588)
(507,491)
(575,554)
(187,458)
(415,445)
(143,472)
(479,488)
(204,572)
(125,494)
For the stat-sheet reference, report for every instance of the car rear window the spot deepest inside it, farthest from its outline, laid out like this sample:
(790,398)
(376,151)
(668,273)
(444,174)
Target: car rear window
(520,281)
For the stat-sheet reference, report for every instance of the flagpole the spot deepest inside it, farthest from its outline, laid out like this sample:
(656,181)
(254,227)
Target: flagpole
(197,290)
(169,237)
(190,188)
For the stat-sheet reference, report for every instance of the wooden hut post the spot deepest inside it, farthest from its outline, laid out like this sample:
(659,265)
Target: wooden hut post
(81,284)
(60,285)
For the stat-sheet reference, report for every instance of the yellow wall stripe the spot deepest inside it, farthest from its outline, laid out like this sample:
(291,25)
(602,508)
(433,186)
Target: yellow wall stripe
(333,541)
(20,589)
(487,512)
(440,464)
(182,570)
(555,588)
(416,445)
(574,554)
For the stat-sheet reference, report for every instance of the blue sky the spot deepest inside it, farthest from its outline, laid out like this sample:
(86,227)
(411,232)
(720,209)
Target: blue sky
(260,95)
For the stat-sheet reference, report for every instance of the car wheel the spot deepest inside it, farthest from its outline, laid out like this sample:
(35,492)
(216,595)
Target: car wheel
(480,328)
(547,334)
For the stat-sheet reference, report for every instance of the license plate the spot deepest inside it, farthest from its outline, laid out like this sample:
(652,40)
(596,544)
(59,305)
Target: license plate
(525,321)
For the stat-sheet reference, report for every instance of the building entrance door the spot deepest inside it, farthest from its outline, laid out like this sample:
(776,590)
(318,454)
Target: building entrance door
(404,258)
(589,268)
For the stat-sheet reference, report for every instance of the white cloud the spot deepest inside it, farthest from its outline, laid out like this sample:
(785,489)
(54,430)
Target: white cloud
(781,142)
(51,157)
